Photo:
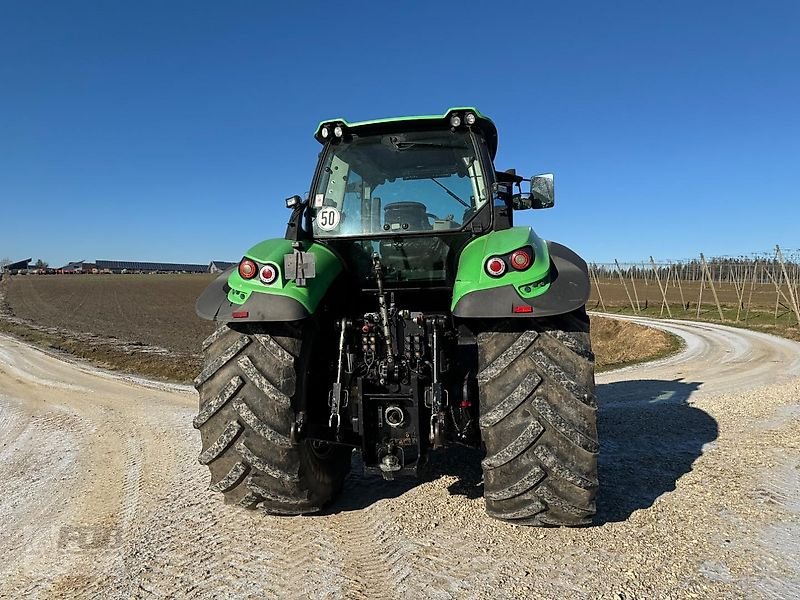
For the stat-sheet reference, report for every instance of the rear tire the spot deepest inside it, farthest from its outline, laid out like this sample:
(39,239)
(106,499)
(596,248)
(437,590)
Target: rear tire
(539,420)
(254,379)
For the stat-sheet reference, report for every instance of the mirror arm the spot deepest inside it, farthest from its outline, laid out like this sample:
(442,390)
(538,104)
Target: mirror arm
(294,229)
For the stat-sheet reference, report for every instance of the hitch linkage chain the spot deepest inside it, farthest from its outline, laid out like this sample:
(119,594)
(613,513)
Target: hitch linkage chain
(437,394)
(337,397)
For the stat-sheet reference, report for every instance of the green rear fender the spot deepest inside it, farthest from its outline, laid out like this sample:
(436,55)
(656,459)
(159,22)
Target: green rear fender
(231,298)
(557,282)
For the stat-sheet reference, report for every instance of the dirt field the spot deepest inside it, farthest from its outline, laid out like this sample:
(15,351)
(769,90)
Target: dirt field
(157,310)
(146,323)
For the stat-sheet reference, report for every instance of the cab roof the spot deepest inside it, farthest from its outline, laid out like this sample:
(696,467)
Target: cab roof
(420,122)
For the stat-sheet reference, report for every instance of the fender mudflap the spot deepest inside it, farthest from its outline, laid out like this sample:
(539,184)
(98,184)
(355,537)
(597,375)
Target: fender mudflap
(569,290)
(213,305)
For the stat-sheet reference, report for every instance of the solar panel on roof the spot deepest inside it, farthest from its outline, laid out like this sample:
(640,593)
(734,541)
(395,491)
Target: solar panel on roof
(119,265)
(20,264)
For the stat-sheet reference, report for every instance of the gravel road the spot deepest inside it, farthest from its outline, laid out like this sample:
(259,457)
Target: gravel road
(102,496)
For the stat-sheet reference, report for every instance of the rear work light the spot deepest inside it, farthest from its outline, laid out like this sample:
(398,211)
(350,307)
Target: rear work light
(521,259)
(268,274)
(495,266)
(247,269)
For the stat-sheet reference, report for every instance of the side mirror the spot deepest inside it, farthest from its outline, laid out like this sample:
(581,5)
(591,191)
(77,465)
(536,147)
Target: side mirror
(542,191)
(541,195)
(521,201)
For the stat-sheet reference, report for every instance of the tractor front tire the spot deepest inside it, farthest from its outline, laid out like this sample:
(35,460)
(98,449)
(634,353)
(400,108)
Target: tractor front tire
(254,379)
(539,420)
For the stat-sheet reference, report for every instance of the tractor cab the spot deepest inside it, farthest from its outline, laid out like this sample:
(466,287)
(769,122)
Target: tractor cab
(412,191)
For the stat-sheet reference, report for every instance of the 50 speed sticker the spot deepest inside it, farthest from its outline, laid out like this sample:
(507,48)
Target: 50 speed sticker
(328,218)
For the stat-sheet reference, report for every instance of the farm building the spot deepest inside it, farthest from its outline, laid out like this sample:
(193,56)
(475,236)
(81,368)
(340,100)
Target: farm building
(121,266)
(78,266)
(128,266)
(16,267)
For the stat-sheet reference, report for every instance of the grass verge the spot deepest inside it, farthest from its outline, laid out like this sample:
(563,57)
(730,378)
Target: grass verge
(760,320)
(621,343)
(153,366)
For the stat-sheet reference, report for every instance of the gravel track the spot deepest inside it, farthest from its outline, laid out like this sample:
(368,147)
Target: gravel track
(700,495)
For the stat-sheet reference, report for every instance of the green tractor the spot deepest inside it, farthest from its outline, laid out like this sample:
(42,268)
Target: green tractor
(404,312)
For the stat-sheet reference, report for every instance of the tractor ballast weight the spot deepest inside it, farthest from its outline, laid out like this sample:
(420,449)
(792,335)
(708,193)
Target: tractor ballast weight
(404,312)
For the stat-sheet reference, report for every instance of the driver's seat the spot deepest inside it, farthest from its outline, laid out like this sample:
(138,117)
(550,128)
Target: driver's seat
(410,216)
(409,254)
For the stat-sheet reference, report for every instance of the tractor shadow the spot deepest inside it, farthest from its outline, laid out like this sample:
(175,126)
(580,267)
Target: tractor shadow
(650,436)
(361,491)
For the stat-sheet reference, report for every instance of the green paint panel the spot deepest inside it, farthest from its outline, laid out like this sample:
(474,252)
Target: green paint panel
(328,268)
(472,276)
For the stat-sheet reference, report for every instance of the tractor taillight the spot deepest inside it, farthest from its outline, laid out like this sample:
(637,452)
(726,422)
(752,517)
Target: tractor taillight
(520,259)
(495,266)
(247,269)
(268,274)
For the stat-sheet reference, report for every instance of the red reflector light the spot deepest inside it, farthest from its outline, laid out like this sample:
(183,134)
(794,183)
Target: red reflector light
(268,274)
(525,308)
(495,266)
(247,269)
(521,260)
(241,314)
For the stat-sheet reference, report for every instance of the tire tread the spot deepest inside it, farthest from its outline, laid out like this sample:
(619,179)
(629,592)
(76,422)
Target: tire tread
(253,375)
(539,421)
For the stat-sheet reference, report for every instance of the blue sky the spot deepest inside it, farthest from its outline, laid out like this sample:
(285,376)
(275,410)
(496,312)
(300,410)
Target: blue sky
(173,130)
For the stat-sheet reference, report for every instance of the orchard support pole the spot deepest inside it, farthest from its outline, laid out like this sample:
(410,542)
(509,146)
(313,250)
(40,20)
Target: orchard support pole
(660,287)
(713,289)
(789,281)
(597,286)
(622,279)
